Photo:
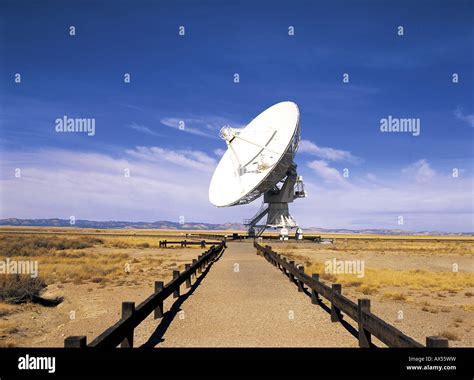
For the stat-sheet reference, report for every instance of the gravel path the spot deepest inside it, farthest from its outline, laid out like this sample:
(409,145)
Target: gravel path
(243,301)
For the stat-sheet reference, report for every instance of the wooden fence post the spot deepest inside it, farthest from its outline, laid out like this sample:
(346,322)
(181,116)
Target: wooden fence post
(176,292)
(292,278)
(365,337)
(159,308)
(194,266)
(314,294)
(300,283)
(284,269)
(188,280)
(437,341)
(128,308)
(335,312)
(75,342)
(199,266)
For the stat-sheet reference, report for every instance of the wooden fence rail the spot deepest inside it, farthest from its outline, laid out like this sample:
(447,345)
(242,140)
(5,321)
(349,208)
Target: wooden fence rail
(368,323)
(122,331)
(220,237)
(185,243)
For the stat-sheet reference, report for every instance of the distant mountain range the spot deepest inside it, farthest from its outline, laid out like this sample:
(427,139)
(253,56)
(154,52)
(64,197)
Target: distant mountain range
(162,224)
(165,224)
(387,232)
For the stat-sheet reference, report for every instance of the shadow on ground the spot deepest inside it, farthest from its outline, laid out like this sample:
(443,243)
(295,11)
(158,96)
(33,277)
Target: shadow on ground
(168,317)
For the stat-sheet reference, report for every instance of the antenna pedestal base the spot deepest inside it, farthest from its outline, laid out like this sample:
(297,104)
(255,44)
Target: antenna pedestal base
(275,205)
(279,216)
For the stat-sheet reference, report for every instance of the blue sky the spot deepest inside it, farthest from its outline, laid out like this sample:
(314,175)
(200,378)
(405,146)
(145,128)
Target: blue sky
(190,78)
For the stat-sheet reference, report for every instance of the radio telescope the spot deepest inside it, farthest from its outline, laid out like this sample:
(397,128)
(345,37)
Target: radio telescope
(259,161)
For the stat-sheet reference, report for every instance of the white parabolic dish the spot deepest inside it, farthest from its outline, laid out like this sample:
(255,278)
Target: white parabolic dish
(258,158)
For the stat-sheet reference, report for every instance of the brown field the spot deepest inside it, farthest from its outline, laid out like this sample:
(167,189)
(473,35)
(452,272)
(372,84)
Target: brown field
(87,273)
(92,275)
(412,279)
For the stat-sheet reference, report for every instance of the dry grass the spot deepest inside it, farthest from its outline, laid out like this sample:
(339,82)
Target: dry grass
(7,309)
(416,238)
(81,259)
(380,246)
(375,278)
(74,268)
(65,259)
(108,263)
(130,242)
(415,275)
(411,279)
(24,245)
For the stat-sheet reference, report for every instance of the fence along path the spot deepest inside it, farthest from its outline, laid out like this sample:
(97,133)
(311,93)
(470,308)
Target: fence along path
(368,323)
(123,331)
(243,301)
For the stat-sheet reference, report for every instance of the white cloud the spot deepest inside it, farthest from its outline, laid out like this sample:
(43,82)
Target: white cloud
(175,123)
(327,173)
(192,159)
(163,184)
(326,153)
(444,204)
(219,152)
(469,118)
(200,126)
(143,129)
(371,177)
(420,170)
(167,184)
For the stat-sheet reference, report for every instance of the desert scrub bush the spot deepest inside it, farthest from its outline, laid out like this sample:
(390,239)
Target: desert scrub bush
(396,296)
(353,283)
(449,334)
(70,254)
(24,245)
(131,242)
(118,244)
(367,289)
(328,277)
(20,288)
(7,329)
(469,307)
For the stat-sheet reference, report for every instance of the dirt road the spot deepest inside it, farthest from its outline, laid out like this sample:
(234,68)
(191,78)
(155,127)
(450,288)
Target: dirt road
(243,301)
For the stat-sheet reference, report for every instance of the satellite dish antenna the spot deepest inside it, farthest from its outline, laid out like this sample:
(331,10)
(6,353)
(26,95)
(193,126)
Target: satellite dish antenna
(259,161)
